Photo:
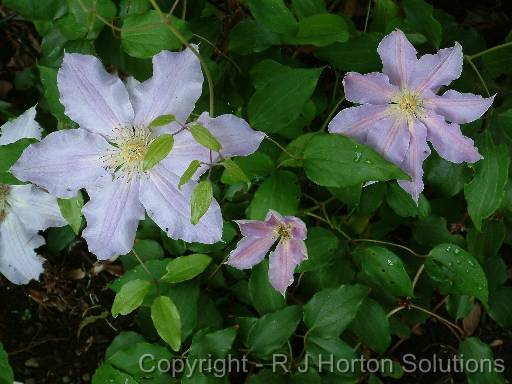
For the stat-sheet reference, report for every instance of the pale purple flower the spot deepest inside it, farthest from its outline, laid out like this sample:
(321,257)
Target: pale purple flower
(401,110)
(24,211)
(105,155)
(260,236)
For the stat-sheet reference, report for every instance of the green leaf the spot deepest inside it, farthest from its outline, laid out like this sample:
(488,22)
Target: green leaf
(162,120)
(382,13)
(280,192)
(274,14)
(473,349)
(357,54)
(201,200)
(321,244)
(386,269)
(204,137)
(457,271)
(108,374)
(186,267)
(487,189)
(459,306)
(305,8)
(371,325)
(156,267)
(403,205)
(130,297)
(254,166)
(234,173)
(250,36)
(71,210)
(146,249)
(133,7)
(10,153)
(51,93)
(486,244)
(143,36)
(499,307)
(445,177)
(434,230)
(167,321)
(337,161)
(271,331)
(6,373)
(189,172)
(330,311)
(499,62)
(34,9)
(213,344)
(84,13)
(281,98)
(319,349)
(419,15)
(320,30)
(158,150)
(264,297)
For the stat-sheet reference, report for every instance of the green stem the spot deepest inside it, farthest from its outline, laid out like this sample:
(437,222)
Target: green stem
(184,41)
(479,75)
(367,15)
(489,50)
(331,114)
(281,147)
(389,243)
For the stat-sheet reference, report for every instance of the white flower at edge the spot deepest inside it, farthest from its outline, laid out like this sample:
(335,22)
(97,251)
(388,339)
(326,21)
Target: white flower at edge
(24,211)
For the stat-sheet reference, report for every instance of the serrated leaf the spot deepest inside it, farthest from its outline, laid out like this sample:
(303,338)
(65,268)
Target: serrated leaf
(201,200)
(204,137)
(167,321)
(186,267)
(158,150)
(189,172)
(162,120)
(130,297)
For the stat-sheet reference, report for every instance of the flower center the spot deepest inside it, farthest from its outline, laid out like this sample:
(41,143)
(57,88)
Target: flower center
(284,231)
(126,159)
(409,103)
(4,194)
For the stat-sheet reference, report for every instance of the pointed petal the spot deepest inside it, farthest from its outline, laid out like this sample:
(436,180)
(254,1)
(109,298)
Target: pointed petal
(18,261)
(250,251)
(356,121)
(23,127)
(95,99)
(112,215)
(63,162)
(235,135)
(390,137)
(398,58)
(299,229)
(283,261)
(371,88)
(433,71)
(37,209)
(448,140)
(169,208)
(174,88)
(255,228)
(413,163)
(459,107)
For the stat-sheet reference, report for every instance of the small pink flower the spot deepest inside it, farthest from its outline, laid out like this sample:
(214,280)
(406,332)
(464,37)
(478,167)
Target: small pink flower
(259,236)
(400,110)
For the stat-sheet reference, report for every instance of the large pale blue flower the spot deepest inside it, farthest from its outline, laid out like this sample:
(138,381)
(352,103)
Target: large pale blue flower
(24,211)
(400,109)
(105,155)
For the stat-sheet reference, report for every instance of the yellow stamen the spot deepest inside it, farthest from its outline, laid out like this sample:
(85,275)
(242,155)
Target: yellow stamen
(284,231)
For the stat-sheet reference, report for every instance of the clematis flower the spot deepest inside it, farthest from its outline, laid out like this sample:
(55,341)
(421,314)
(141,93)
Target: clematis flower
(260,236)
(105,154)
(24,211)
(400,109)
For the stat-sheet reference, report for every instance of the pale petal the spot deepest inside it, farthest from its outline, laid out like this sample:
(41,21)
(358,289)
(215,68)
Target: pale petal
(95,99)
(390,137)
(63,162)
(37,209)
(18,261)
(112,215)
(174,88)
(169,208)
(371,88)
(255,228)
(356,121)
(413,163)
(299,229)
(283,261)
(23,127)
(448,140)
(250,251)
(433,71)
(234,134)
(459,107)
(398,58)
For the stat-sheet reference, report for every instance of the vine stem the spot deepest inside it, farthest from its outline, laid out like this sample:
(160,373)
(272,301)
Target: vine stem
(367,16)
(489,50)
(331,114)
(417,276)
(281,147)
(184,41)
(478,74)
(446,322)
(389,243)
(155,280)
